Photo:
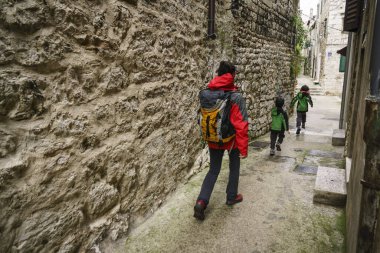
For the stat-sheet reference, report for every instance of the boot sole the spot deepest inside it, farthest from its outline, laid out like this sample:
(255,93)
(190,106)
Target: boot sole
(199,212)
(231,203)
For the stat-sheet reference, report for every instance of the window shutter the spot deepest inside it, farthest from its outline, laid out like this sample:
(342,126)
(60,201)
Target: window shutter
(352,15)
(342,63)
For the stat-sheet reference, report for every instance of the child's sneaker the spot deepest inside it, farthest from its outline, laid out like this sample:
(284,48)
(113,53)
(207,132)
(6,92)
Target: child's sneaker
(272,152)
(199,210)
(298,130)
(278,146)
(238,198)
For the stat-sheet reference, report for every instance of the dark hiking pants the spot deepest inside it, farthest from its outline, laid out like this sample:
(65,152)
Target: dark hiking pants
(273,137)
(216,157)
(301,118)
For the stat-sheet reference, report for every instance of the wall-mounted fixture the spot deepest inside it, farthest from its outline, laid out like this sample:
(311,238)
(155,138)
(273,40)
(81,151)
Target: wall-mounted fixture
(235,5)
(211,20)
(375,61)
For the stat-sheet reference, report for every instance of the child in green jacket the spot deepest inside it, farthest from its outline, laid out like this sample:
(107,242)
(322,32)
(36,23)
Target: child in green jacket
(303,98)
(280,123)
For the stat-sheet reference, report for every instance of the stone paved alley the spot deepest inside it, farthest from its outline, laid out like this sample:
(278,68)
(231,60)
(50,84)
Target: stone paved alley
(100,148)
(277,214)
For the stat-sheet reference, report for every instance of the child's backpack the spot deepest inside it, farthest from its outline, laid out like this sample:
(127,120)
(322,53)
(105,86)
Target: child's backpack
(302,103)
(278,120)
(214,117)
(303,100)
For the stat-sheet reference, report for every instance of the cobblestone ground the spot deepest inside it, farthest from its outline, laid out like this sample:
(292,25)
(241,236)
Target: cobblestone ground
(277,214)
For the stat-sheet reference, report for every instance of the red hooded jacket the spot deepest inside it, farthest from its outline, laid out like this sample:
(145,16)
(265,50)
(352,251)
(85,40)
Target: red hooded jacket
(238,115)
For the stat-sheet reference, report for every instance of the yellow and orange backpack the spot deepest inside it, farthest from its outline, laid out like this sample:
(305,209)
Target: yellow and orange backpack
(214,116)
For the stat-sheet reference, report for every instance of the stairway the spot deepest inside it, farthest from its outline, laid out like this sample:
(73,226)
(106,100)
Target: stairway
(330,185)
(315,89)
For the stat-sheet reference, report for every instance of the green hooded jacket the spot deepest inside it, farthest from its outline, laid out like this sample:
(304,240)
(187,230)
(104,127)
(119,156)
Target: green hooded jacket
(278,120)
(303,100)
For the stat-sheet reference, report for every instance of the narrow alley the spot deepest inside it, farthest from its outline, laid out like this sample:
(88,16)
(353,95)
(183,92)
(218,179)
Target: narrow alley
(109,110)
(277,214)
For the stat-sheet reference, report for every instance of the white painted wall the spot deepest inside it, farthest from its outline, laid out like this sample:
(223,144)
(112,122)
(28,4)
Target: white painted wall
(332,79)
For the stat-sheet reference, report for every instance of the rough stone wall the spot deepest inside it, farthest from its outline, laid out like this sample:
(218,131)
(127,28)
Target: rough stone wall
(98,102)
(263,51)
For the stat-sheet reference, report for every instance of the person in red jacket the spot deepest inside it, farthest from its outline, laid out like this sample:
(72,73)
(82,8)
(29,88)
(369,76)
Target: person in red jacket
(237,147)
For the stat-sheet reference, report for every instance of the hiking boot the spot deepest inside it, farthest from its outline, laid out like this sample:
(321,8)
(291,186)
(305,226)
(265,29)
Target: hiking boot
(272,152)
(199,210)
(238,198)
(298,130)
(278,146)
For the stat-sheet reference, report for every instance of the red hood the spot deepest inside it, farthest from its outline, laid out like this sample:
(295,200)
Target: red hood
(223,82)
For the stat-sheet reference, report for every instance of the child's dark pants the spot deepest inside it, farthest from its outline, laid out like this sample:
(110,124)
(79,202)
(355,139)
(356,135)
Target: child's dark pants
(216,157)
(301,117)
(273,137)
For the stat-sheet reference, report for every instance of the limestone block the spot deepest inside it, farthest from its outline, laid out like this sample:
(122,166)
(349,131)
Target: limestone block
(31,101)
(119,227)
(70,245)
(49,148)
(7,53)
(113,80)
(45,229)
(28,16)
(102,197)
(8,143)
(338,137)
(10,169)
(330,186)
(45,50)
(9,96)
(103,111)
(65,125)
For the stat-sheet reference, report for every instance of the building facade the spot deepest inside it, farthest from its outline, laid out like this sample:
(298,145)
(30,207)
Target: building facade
(361,120)
(326,35)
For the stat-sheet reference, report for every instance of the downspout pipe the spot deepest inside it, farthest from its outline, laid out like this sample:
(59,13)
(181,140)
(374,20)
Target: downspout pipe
(342,106)
(375,61)
(211,20)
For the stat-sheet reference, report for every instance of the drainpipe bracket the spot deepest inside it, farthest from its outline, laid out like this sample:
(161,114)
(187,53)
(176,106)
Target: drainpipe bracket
(370,185)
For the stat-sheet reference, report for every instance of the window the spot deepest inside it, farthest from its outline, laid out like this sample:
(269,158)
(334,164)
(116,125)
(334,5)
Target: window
(352,15)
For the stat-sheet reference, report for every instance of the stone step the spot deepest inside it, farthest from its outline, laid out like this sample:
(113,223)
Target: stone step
(313,91)
(330,186)
(339,137)
(316,94)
